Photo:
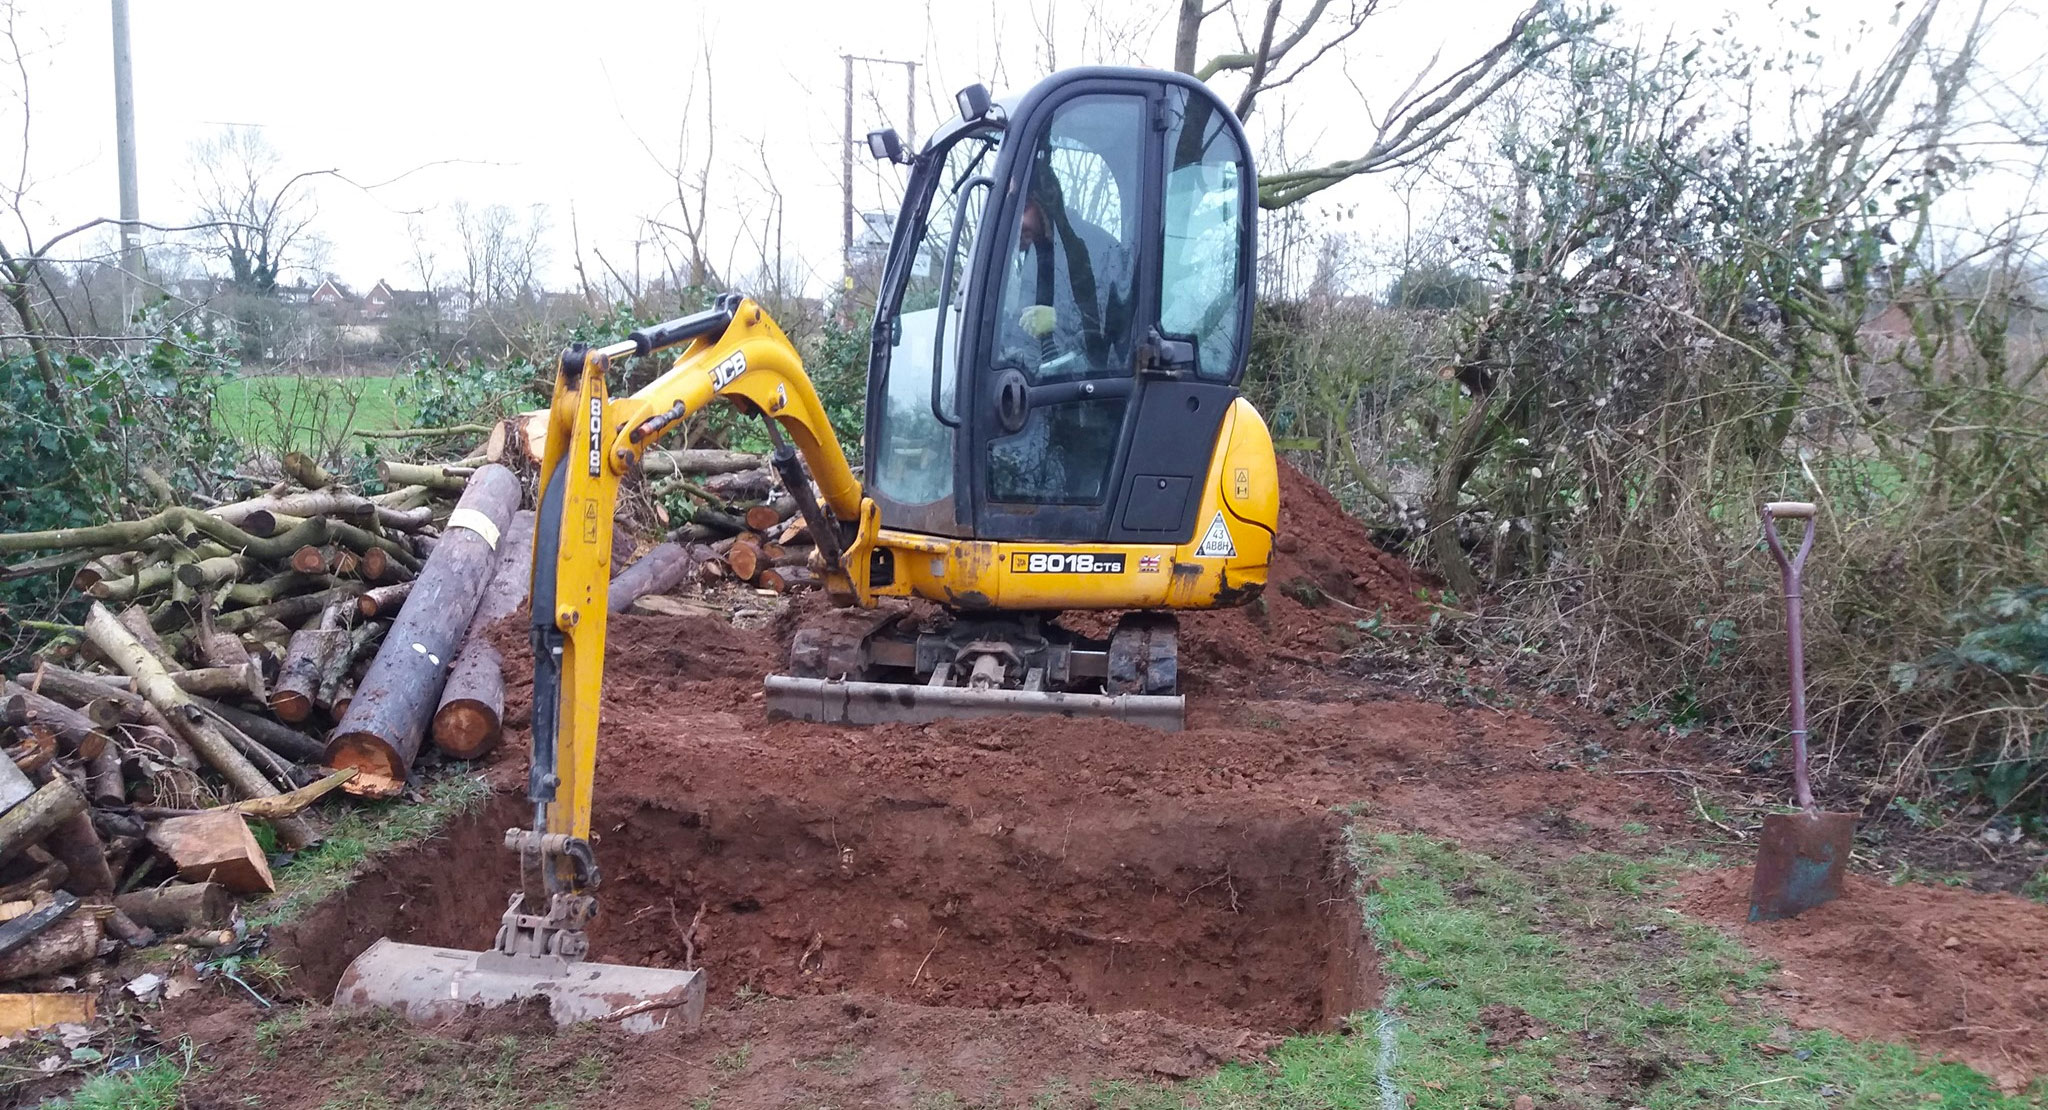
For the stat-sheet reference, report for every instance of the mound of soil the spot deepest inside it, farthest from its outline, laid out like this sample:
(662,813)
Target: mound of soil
(1959,973)
(1326,575)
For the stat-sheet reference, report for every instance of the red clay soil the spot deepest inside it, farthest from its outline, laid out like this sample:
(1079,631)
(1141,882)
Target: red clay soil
(991,910)
(1961,974)
(1322,556)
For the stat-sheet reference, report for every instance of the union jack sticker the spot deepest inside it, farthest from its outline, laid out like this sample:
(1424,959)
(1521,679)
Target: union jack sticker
(1148,564)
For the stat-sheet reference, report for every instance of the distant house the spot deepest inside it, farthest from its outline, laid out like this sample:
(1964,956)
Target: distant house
(332,295)
(378,302)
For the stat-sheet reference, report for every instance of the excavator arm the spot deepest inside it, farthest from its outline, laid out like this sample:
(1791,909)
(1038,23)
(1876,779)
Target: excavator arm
(735,351)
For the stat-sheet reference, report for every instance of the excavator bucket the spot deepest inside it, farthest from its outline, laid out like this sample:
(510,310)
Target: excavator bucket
(427,984)
(837,701)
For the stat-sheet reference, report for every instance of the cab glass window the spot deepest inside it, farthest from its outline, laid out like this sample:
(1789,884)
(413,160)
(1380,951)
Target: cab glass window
(1203,273)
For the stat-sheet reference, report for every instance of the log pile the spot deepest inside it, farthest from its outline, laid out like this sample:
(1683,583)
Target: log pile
(218,650)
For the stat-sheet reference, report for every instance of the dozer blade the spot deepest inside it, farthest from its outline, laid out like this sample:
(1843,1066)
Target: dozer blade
(872,703)
(429,984)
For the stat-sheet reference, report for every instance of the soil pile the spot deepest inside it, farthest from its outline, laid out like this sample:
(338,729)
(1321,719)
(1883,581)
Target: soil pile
(1326,575)
(1955,972)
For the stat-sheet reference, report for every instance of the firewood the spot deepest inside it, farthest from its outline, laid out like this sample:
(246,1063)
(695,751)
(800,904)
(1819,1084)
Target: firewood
(344,563)
(712,569)
(662,606)
(36,750)
(99,563)
(745,485)
(216,847)
(128,587)
(29,821)
(124,928)
(381,566)
(403,498)
(289,609)
(449,479)
(396,698)
(180,520)
(305,471)
(178,906)
(310,559)
(662,569)
(336,668)
(383,601)
(363,542)
(66,943)
(199,730)
(49,874)
(306,663)
(136,621)
(744,557)
(761,518)
(44,564)
(288,742)
(76,732)
(105,785)
(76,844)
(784,579)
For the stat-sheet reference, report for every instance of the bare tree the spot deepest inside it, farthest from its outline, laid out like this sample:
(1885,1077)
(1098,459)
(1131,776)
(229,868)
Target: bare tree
(262,217)
(1422,120)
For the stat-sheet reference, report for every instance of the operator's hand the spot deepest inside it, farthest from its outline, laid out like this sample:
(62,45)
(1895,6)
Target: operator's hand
(1038,320)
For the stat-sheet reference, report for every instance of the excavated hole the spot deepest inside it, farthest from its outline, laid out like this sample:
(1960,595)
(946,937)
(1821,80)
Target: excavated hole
(1221,919)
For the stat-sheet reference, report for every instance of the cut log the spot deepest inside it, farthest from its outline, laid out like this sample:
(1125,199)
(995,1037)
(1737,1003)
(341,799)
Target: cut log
(32,819)
(784,579)
(128,587)
(288,742)
(136,620)
(379,566)
(448,479)
(362,542)
(305,664)
(745,485)
(67,943)
(660,606)
(383,601)
(744,558)
(396,699)
(20,1013)
(334,674)
(274,588)
(78,689)
(305,470)
(187,718)
(76,732)
(761,518)
(467,723)
(309,559)
(207,574)
(217,847)
(290,609)
(662,569)
(105,785)
(76,844)
(37,750)
(179,906)
(712,570)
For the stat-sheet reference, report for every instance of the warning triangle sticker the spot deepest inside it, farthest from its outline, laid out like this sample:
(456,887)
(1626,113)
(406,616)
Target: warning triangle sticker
(1216,542)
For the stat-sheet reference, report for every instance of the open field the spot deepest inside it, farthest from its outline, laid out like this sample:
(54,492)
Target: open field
(305,411)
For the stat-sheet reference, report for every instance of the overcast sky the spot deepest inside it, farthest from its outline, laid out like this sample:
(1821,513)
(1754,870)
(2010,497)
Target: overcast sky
(576,106)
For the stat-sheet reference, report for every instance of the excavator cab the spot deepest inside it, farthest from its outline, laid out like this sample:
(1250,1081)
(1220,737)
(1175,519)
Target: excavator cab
(1064,315)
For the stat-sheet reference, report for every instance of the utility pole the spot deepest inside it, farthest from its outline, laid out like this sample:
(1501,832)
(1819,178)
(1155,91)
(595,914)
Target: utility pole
(124,141)
(846,153)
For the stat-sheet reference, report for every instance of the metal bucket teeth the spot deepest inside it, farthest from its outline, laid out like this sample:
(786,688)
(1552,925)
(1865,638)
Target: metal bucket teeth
(872,703)
(431,984)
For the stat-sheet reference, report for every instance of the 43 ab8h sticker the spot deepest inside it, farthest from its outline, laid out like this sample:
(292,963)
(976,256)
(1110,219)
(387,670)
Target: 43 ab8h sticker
(1216,542)
(1066,562)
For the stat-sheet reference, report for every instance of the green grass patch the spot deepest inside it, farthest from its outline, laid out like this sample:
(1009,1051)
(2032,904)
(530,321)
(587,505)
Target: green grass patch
(365,830)
(154,1086)
(1631,1005)
(305,412)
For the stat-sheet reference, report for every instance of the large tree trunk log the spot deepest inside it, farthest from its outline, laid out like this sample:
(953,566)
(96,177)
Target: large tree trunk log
(179,906)
(662,569)
(467,724)
(396,699)
(187,718)
(30,821)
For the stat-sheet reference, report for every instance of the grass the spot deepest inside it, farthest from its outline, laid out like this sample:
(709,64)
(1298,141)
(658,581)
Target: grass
(406,1068)
(305,412)
(359,833)
(154,1086)
(1636,1005)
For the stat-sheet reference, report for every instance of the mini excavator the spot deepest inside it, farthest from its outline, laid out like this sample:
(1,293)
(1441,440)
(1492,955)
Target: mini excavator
(1053,424)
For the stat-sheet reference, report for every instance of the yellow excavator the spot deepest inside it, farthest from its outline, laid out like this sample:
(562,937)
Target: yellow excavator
(1053,424)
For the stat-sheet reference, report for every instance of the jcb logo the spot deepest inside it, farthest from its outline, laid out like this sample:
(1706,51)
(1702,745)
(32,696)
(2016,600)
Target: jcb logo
(1065,562)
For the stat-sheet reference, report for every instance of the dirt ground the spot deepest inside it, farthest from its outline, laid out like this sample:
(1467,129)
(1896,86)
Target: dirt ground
(1014,908)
